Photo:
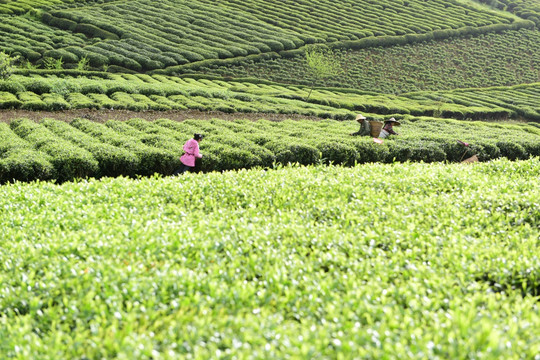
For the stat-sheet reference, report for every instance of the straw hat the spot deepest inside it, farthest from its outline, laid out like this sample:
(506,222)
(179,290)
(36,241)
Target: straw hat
(392,120)
(360,117)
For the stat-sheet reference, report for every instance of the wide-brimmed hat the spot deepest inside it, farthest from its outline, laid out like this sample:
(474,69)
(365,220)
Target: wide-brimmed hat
(392,120)
(360,117)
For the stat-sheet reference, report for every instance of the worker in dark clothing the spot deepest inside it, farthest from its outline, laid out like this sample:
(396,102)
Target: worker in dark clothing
(364,126)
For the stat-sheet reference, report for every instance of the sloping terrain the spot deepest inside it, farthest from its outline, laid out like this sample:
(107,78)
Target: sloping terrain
(138,35)
(526,9)
(494,59)
(82,148)
(292,239)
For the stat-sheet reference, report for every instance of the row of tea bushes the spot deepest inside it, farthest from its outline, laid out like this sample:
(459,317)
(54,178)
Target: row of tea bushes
(20,7)
(404,261)
(520,99)
(69,160)
(526,9)
(138,147)
(33,40)
(19,160)
(158,92)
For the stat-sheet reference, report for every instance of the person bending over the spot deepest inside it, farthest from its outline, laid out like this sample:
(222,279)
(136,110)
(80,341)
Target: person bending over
(387,129)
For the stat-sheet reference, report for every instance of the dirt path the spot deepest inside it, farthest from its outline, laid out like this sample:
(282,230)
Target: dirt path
(104,115)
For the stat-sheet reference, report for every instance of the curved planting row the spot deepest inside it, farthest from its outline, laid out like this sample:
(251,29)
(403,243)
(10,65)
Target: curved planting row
(19,7)
(157,92)
(523,100)
(33,40)
(143,92)
(526,9)
(141,36)
(351,20)
(11,7)
(139,147)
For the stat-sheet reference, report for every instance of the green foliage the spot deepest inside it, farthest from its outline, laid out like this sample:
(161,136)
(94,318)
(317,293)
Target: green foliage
(52,63)
(151,159)
(141,36)
(7,65)
(9,101)
(322,64)
(19,161)
(82,90)
(527,9)
(113,161)
(69,161)
(83,64)
(93,31)
(491,59)
(405,261)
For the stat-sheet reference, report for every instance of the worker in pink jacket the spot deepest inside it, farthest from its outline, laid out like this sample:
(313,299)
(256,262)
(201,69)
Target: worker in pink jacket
(191,149)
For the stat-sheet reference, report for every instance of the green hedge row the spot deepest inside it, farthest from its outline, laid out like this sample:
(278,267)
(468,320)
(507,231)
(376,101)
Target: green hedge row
(527,9)
(368,42)
(19,160)
(140,36)
(207,93)
(151,159)
(139,147)
(69,160)
(112,160)
(499,59)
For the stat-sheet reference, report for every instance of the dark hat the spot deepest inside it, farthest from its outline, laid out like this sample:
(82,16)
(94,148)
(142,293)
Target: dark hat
(198,136)
(392,120)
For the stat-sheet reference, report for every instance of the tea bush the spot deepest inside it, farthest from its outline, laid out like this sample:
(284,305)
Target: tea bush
(203,93)
(69,161)
(113,161)
(150,159)
(506,58)
(378,261)
(19,160)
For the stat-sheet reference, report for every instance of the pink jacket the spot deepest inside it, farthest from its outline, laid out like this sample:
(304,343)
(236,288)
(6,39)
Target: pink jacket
(191,147)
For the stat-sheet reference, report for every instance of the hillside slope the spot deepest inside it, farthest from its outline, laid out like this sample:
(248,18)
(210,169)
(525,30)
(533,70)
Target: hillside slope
(143,35)
(494,59)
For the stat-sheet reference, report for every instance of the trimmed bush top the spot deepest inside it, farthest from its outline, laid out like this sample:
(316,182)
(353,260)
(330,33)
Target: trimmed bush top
(404,261)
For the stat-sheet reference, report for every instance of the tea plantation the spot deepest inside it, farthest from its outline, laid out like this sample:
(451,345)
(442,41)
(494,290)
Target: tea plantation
(291,239)
(38,90)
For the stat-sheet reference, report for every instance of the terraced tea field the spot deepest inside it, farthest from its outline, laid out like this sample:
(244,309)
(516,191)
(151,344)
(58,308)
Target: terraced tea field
(291,239)
(508,58)
(157,92)
(140,36)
